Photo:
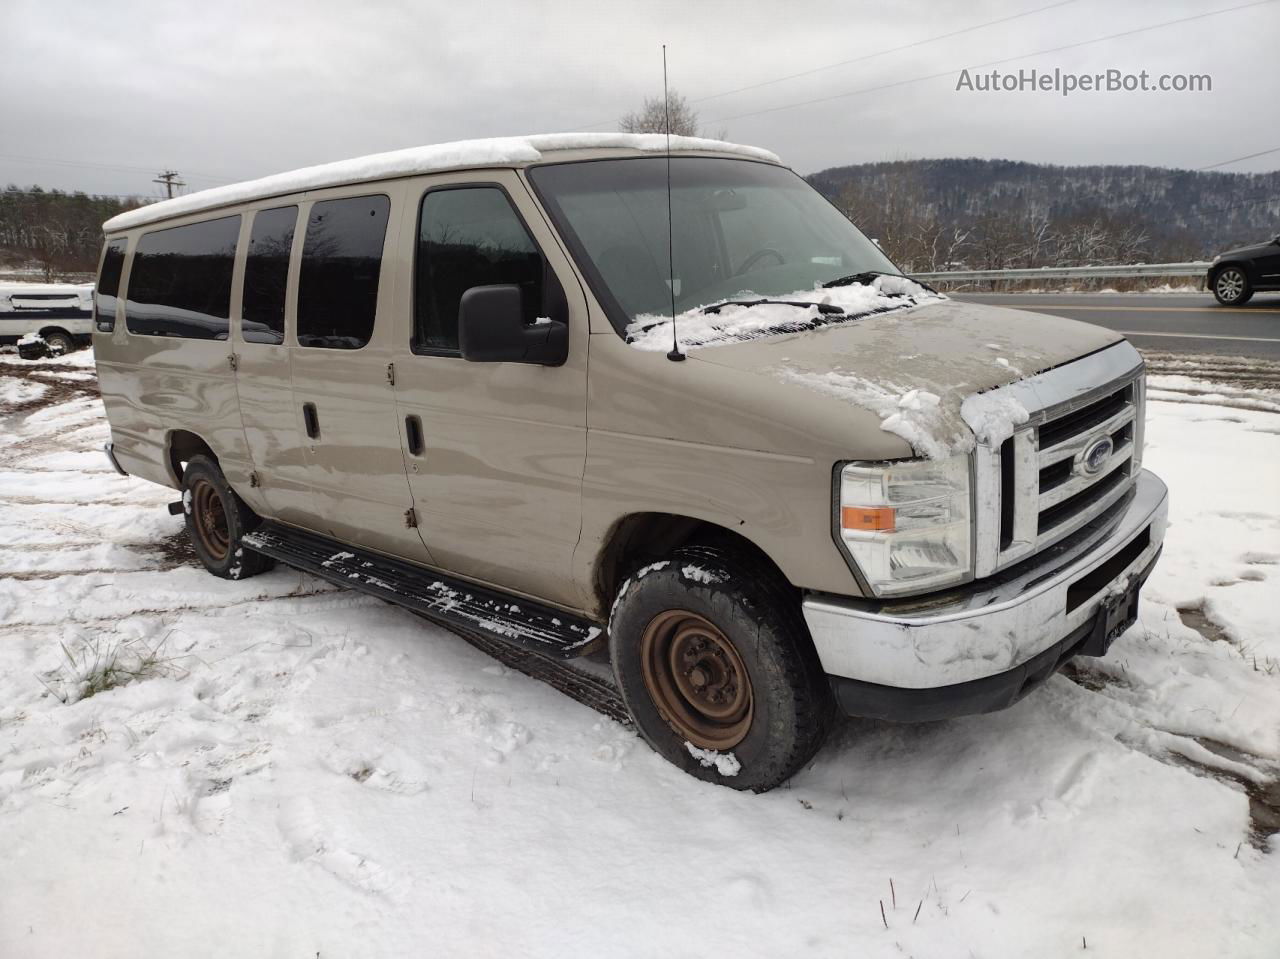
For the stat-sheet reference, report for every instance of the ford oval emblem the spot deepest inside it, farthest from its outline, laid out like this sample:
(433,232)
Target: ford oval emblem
(1096,455)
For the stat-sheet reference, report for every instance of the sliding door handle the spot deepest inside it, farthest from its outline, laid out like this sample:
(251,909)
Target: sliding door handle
(413,434)
(311,420)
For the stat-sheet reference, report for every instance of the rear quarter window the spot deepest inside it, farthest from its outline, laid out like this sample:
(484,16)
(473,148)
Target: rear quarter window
(180,284)
(106,292)
(338,282)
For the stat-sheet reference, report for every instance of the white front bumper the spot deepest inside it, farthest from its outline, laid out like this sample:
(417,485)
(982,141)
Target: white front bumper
(925,643)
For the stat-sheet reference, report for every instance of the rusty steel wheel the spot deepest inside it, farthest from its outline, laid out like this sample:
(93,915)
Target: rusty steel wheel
(209,516)
(696,679)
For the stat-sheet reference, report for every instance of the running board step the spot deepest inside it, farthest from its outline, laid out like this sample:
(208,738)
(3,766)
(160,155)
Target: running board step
(508,619)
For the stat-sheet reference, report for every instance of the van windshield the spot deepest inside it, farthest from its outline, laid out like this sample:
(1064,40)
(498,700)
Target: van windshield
(737,227)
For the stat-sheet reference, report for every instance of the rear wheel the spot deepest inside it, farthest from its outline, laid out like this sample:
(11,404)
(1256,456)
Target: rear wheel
(217,519)
(1231,286)
(717,669)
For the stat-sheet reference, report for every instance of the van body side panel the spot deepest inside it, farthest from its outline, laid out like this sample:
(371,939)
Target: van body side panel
(267,409)
(153,386)
(498,484)
(353,465)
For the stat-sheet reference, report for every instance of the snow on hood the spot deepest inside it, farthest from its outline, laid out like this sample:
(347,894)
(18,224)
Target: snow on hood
(926,373)
(496,151)
(737,324)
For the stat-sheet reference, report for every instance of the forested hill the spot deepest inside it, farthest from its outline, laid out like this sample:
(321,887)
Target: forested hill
(1183,213)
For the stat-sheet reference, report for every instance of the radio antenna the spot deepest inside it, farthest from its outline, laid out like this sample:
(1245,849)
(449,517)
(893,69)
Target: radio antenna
(675,355)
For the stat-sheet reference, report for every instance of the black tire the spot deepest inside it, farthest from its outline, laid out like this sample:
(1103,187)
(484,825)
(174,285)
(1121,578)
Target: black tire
(710,595)
(217,520)
(1231,286)
(58,343)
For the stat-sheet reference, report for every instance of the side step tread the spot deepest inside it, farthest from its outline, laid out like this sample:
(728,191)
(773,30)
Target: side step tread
(516,621)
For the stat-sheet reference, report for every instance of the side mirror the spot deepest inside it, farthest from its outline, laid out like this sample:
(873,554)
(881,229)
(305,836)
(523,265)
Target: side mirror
(491,329)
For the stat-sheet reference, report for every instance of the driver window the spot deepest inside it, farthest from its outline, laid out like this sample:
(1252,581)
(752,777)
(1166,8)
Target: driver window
(469,236)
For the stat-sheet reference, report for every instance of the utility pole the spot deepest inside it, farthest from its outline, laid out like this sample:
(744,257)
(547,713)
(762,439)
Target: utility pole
(170,180)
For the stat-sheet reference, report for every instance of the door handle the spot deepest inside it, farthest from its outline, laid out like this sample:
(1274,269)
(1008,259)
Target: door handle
(413,433)
(311,419)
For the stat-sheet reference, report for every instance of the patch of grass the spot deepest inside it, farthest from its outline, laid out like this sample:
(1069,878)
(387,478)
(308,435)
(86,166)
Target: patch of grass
(93,666)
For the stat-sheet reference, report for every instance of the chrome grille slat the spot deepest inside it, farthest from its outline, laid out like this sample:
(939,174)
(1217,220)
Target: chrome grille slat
(1067,527)
(1080,482)
(1076,444)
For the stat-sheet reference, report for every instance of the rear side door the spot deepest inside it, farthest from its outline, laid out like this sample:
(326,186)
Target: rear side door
(494,451)
(342,392)
(263,366)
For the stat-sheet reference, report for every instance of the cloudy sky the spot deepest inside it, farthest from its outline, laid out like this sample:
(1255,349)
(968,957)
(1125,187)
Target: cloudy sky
(98,96)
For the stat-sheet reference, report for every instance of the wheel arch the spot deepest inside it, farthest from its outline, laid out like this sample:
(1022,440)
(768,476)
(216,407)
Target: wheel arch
(180,447)
(642,537)
(1243,265)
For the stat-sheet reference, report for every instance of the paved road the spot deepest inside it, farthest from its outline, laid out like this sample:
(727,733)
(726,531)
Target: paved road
(1176,322)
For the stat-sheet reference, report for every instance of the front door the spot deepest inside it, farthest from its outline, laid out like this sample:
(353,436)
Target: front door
(494,451)
(343,400)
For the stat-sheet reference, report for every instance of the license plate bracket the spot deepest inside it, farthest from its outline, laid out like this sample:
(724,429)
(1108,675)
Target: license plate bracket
(1116,613)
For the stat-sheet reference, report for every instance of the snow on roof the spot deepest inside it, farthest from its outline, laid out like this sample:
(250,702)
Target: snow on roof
(461,154)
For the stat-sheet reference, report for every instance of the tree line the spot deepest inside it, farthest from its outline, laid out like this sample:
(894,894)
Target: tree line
(59,232)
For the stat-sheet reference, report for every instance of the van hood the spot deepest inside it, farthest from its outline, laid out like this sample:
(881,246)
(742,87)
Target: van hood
(921,370)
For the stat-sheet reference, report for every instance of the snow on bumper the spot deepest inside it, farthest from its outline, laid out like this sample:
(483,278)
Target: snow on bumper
(992,629)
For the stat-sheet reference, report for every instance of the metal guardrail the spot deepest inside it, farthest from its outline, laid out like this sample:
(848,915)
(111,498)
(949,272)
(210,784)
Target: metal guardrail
(1197,268)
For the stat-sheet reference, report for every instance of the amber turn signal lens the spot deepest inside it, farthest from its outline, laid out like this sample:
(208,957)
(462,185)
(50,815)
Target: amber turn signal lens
(866,518)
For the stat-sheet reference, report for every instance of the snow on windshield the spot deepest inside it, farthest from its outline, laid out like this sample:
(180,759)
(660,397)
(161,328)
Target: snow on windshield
(736,324)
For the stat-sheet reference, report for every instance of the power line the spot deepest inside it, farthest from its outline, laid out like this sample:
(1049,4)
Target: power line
(869,56)
(882,53)
(103,166)
(1260,153)
(991,63)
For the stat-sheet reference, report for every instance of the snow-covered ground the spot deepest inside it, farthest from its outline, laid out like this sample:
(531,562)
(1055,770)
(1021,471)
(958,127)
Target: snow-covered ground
(308,772)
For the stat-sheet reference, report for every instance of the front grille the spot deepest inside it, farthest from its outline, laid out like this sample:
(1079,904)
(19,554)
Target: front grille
(1036,488)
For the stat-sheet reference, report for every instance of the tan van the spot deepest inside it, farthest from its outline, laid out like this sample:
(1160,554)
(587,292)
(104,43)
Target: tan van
(572,390)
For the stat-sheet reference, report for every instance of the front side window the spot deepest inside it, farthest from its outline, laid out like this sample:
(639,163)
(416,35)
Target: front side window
(180,284)
(108,286)
(738,227)
(341,260)
(266,275)
(468,237)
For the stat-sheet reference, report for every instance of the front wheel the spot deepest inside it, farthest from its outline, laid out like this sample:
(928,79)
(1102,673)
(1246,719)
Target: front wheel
(58,343)
(217,519)
(1231,286)
(715,664)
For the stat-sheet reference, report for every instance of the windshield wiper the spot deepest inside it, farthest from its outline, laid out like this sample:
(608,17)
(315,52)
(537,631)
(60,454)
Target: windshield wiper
(825,308)
(865,278)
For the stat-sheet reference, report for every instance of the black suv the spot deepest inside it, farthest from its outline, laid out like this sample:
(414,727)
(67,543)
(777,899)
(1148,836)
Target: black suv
(1236,275)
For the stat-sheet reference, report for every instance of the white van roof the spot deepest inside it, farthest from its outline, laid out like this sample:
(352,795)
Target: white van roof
(462,154)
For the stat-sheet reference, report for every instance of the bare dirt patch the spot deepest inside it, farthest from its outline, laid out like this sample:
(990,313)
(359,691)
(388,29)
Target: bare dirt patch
(57,387)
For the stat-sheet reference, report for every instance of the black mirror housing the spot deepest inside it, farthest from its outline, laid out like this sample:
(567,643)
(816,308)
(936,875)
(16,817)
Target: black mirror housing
(491,329)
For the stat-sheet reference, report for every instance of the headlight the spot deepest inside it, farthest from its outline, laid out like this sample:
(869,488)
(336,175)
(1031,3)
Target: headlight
(907,525)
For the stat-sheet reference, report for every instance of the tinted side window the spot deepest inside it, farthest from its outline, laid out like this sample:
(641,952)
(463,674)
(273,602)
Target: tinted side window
(266,273)
(341,258)
(468,237)
(105,295)
(180,284)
